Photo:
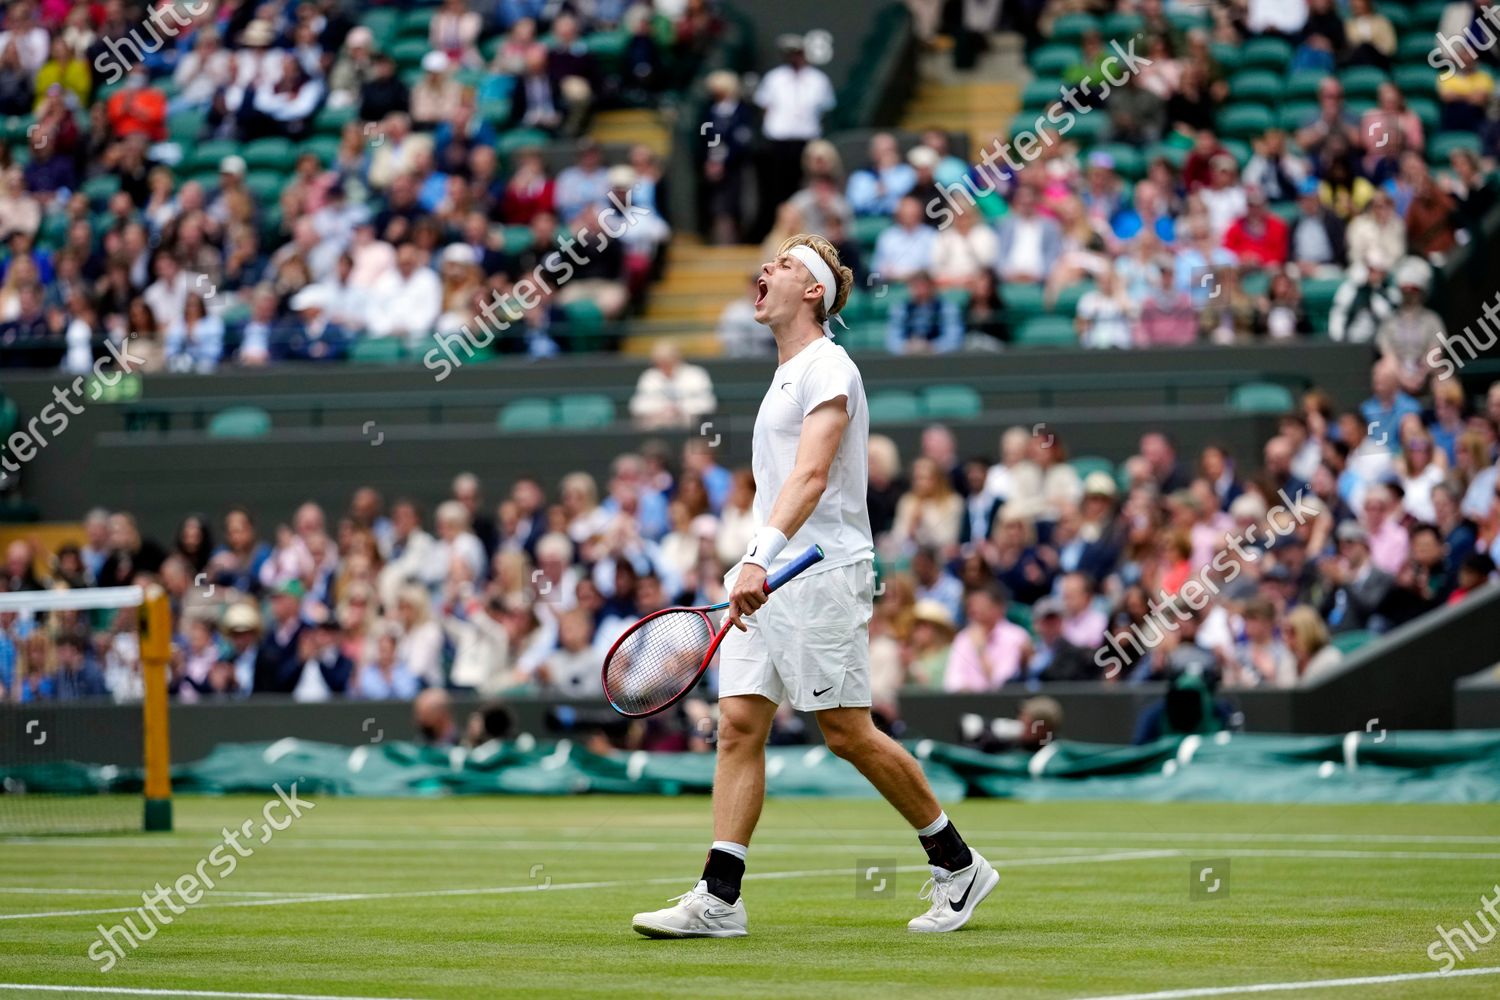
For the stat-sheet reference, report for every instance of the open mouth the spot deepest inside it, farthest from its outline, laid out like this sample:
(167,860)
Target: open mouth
(762,290)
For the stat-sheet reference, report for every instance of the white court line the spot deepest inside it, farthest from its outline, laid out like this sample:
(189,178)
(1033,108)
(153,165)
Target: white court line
(127,991)
(610,884)
(48,891)
(1311,984)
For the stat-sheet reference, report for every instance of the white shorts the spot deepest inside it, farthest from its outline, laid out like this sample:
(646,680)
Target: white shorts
(809,642)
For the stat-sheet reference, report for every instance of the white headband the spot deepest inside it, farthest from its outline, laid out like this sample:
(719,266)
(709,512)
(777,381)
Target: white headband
(823,276)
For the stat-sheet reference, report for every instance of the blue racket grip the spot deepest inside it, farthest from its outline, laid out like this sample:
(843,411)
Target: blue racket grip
(795,567)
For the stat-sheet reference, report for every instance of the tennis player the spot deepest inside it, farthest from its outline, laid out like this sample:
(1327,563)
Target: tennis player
(810,643)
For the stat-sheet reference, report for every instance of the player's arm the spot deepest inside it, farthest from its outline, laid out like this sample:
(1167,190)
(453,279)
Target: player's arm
(822,431)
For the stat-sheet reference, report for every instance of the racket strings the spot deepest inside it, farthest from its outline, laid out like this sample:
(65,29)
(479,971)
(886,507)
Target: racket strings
(657,660)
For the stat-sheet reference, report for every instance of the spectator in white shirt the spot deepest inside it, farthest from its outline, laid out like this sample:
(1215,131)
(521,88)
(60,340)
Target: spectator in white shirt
(582,185)
(1030,243)
(670,393)
(964,250)
(794,97)
(406,302)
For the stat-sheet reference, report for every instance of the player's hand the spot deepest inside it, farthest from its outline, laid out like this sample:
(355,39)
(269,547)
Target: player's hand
(748,595)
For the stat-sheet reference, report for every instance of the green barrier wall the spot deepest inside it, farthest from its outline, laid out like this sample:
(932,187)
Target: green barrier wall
(1354,767)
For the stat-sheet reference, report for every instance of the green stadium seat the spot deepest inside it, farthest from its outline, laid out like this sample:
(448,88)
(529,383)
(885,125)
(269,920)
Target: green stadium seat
(1271,54)
(270,154)
(585,325)
(1351,641)
(1399,16)
(1261,397)
(1040,94)
(1362,81)
(1428,13)
(521,138)
(1440,146)
(324,147)
(1085,465)
(1303,84)
(1295,114)
(865,336)
(1121,26)
(955,402)
(1069,297)
(894,406)
(1129,163)
(1187,20)
(99,189)
(331,121)
(1072,27)
(185,126)
(1256,283)
(1317,300)
(1286,211)
(526,415)
(517,238)
(1019,614)
(382,22)
(1414,48)
(414,24)
(1088,129)
(580,410)
(1239,149)
(1255,85)
(53,232)
(1022,301)
(10,417)
(1418,80)
(867,229)
(1427,110)
(1052,60)
(265,186)
(1046,331)
(1245,121)
(377,351)
(408,52)
(206,156)
(240,422)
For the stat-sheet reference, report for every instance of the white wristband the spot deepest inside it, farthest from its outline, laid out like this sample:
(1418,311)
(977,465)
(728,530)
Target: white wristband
(765,546)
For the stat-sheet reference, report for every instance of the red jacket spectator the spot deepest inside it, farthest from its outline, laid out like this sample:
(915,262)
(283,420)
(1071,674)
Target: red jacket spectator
(1259,239)
(138,109)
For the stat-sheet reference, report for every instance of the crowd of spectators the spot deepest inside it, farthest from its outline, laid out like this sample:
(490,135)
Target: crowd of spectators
(1004,570)
(1147,215)
(231,182)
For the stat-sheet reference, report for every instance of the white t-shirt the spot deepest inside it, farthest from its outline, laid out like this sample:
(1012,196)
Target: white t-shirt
(841,522)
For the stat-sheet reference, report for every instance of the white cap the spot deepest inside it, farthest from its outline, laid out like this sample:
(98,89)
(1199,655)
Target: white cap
(621,176)
(232,165)
(435,62)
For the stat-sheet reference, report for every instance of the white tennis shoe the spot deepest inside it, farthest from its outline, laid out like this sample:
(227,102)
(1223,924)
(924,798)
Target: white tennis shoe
(955,895)
(698,913)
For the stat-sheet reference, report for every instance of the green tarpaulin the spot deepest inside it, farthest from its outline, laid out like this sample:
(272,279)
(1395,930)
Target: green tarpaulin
(1353,767)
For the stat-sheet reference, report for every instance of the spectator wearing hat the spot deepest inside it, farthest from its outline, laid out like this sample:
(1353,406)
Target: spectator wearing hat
(1412,332)
(437,96)
(794,97)
(930,644)
(354,67)
(924,323)
(1365,299)
(1054,658)
(1377,230)
(276,663)
(1356,588)
(990,651)
(318,337)
(241,628)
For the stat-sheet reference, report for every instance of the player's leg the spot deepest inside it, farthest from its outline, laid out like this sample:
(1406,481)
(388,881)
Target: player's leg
(961,877)
(749,692)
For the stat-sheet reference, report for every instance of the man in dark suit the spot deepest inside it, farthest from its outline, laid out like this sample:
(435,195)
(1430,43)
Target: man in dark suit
(1055,658)
(1358,590)
(276,662)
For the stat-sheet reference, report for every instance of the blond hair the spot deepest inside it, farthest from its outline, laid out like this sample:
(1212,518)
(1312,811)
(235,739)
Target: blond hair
(843,277)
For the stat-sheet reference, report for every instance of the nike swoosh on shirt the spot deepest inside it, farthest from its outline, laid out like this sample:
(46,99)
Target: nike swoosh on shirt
(819,694)
(958,904)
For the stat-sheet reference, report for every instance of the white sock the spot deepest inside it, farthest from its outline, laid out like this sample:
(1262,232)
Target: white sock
(730,847)
(935,825)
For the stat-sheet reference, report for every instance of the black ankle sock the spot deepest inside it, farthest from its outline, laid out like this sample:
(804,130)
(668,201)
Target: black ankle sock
(946,849)
(723,872)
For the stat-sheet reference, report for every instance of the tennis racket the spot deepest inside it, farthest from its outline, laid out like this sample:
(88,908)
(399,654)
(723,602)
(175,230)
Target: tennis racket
(660,658)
